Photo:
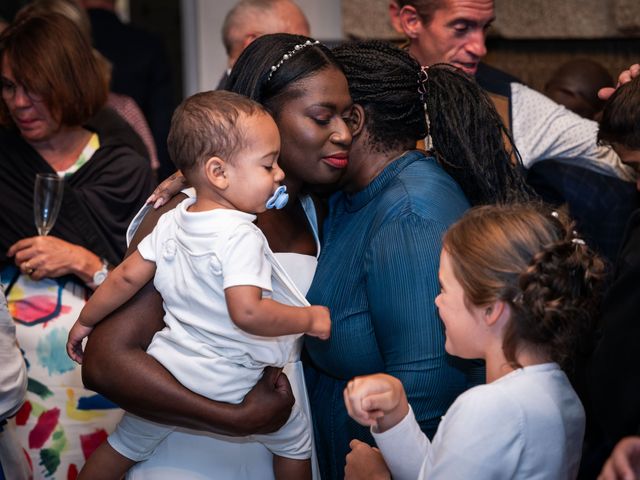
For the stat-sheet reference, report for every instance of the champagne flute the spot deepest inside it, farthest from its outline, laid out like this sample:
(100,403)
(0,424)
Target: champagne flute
(47,199)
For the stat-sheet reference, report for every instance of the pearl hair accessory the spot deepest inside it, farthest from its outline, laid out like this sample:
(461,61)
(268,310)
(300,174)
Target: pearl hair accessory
(290,54)
(423,77)
(576,240)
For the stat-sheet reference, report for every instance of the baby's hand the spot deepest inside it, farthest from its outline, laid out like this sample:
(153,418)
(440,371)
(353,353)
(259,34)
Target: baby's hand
(320,322)
(74,343)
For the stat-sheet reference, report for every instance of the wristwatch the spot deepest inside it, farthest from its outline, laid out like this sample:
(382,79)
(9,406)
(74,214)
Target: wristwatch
(101,275)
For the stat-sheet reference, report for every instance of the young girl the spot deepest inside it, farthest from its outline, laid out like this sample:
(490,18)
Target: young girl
(518,290)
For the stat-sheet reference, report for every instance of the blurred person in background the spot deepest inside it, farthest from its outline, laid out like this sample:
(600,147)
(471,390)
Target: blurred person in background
(46,279)
(125,106)
(140,70)
(575,84)
(249,19)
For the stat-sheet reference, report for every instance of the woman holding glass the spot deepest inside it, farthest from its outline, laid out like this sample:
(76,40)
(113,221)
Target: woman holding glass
(50,88)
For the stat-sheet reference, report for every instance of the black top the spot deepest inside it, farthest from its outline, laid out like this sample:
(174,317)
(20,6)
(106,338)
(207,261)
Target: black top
(600,204)
(615,370)
(140,70)
(99,200)
(494,80)
(111,125)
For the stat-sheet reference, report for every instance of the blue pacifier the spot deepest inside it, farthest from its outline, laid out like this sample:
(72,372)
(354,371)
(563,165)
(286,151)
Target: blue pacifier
(279,198)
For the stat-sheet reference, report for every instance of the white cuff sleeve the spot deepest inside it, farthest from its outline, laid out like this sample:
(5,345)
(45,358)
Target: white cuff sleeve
(404,448)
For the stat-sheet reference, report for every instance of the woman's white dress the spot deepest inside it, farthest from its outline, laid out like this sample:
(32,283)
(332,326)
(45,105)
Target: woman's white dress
(191,454)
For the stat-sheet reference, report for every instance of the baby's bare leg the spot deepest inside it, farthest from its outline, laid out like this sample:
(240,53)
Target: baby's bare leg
(105,464)
(290,469)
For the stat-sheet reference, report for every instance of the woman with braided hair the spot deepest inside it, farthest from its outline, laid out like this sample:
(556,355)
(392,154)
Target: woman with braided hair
(378,269)
(466,133)
(519,291)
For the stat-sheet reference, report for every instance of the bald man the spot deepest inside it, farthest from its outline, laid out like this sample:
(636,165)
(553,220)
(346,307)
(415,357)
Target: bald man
(250,19)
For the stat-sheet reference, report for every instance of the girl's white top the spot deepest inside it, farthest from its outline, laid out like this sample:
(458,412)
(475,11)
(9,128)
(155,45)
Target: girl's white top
(528,424)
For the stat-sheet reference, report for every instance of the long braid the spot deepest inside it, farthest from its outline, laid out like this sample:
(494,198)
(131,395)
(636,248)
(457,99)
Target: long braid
(470,139)
(466,130)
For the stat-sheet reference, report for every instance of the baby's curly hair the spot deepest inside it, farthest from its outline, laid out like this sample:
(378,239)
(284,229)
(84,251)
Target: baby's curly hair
(529,257)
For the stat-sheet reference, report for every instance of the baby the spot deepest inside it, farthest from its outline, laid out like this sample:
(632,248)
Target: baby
(213,268)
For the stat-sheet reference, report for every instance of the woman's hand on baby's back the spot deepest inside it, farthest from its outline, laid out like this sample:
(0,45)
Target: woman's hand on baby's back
(320,324)
(167,189)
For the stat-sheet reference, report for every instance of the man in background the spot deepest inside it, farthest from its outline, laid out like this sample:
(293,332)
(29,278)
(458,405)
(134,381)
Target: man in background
(565,163)
(249,19)
(454,31)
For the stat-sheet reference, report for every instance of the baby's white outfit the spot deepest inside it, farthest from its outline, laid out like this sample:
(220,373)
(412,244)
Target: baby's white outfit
(198,255)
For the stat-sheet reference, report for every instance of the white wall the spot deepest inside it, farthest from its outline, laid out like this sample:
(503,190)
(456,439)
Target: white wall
(203,53)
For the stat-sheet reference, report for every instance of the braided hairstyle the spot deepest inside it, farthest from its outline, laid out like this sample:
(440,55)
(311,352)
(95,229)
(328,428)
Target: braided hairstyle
(250,73)
(529,257)
(468,134)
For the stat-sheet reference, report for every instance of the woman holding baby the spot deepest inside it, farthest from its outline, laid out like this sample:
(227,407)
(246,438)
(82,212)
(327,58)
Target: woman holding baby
(325,141)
